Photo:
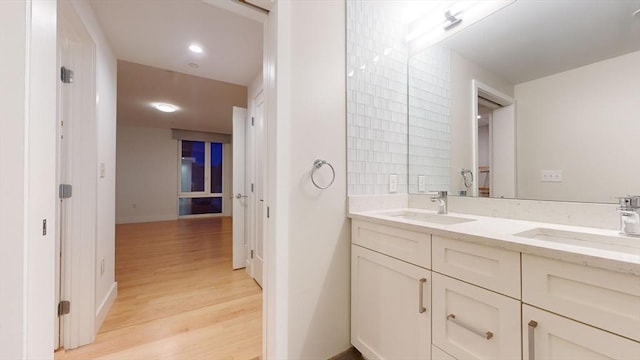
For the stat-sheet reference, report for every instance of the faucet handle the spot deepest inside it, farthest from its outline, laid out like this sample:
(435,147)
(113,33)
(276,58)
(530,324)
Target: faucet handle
(629,201)
(438,193)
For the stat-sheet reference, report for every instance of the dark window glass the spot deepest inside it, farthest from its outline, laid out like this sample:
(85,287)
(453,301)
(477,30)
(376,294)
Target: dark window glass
(192,166)
(195,206)
(216,168)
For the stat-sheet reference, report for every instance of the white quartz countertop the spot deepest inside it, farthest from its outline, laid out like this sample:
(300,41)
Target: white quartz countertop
(609,250)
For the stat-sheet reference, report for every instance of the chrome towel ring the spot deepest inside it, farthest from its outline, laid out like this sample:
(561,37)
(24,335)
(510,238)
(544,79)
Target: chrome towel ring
(317,165)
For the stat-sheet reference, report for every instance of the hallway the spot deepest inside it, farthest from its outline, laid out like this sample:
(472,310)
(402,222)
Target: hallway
(178,297)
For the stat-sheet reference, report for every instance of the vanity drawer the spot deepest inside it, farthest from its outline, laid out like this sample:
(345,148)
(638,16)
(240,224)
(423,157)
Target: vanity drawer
(488,267)
(410,246)
(606,299)
(473,323)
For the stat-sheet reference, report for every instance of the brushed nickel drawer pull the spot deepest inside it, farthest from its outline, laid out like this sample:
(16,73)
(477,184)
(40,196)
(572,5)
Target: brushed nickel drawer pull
(532,344)
(421,307)
(488,335)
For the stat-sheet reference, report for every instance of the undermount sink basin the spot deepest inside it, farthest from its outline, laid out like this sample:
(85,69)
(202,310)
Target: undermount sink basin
(440,219)
(611,243)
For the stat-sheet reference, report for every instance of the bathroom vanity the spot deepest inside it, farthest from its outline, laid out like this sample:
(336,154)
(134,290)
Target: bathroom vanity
(459,286)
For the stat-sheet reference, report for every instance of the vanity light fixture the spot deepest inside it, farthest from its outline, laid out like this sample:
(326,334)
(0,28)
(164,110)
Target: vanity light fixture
(451,19)
(164,107)
(195,48)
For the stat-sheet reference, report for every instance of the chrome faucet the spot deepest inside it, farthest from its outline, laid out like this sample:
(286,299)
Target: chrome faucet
(629,211)
(441,198)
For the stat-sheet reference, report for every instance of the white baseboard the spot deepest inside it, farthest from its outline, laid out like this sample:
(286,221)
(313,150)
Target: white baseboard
(105,306)
(141,219)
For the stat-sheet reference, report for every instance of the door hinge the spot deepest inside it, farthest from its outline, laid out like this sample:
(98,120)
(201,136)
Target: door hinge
(268,213)
(251,187)
(65,191)
(253,121)
(252,254)
(64,307)
(66,75)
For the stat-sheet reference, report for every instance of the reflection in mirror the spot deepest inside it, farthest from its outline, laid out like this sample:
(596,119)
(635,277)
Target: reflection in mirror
(571,67)
(575,80)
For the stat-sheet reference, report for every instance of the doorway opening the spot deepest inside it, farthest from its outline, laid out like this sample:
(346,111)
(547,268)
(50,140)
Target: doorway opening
(494,142)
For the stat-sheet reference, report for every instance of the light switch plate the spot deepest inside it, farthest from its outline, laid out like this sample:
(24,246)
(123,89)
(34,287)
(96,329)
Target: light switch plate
(422,186)
(393,183)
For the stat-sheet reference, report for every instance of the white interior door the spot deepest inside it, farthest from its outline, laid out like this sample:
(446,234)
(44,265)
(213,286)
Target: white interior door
(240,197)
(503,152)
(64,99)
(260,176)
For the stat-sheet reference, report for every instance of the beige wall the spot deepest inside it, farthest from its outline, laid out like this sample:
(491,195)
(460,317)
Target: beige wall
(586,120)
(147,175)
(462,72)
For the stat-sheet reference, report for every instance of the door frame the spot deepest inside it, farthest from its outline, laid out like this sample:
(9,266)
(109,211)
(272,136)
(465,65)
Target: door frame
(480,89)
(239,186)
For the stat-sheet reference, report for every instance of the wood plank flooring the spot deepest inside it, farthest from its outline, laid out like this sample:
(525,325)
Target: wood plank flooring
(178,297)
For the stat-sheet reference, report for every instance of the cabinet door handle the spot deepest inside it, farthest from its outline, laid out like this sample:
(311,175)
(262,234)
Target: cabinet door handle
(488,334)
(532,343)
(421,307)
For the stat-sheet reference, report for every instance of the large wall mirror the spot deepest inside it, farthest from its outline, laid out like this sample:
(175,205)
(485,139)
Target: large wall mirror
(544,102)
(533,99)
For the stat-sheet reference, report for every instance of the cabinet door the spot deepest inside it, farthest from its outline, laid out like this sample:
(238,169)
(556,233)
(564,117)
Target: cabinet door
(547,336)
(473,323)
(390,307)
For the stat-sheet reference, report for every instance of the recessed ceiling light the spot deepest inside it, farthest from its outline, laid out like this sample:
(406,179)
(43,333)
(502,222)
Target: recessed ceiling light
(195,48)
(479,117)
(168,108)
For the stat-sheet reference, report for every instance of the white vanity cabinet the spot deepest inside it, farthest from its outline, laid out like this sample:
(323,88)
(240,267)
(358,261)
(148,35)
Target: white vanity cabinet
(484,302)
(390,307)
(598,311)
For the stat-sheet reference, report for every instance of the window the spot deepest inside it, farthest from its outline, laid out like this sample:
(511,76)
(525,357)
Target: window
(200,178)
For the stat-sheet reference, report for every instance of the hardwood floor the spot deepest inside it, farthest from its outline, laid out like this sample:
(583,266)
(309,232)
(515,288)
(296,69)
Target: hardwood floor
(178,297)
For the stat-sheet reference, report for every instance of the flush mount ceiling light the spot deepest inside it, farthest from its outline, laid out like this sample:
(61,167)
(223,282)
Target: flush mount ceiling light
(195,48)
(164,107)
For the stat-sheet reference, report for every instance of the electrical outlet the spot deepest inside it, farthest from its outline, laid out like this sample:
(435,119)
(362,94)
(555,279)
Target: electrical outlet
(422,186)
(551,176)
(393,183)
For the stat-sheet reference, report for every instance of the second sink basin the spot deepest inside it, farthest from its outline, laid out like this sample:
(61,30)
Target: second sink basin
(430,218)
(603,242)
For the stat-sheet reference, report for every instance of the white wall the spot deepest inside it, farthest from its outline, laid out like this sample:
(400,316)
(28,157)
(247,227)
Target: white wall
(12,185)
(593,111)
(106,148)
(462,72)
(317,235)
(147,175)
(27,130)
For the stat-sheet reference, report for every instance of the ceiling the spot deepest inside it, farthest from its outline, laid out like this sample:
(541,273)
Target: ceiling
(149,37)
(205,105)
(530,39)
